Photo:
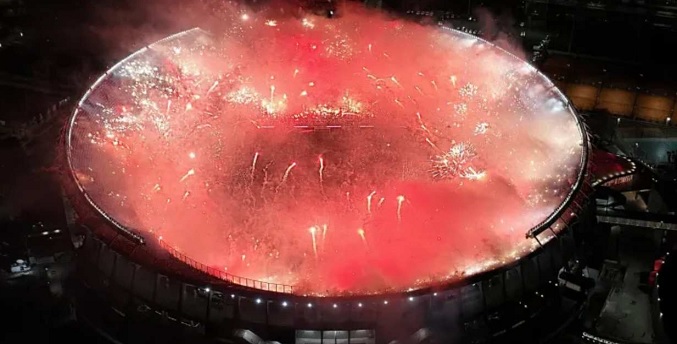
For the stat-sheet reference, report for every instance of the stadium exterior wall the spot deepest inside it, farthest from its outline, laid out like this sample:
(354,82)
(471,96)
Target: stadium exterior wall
(140,281)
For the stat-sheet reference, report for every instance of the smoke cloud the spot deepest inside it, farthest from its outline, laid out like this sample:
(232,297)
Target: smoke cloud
(358,154)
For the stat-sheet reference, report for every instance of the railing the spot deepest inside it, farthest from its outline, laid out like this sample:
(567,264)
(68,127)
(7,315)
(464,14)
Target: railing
(242,281)
(28,128)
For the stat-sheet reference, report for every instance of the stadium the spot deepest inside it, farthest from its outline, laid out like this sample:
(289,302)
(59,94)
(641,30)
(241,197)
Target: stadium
(299,180)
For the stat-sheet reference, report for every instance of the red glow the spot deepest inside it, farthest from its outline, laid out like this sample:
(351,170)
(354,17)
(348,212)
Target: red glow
(279,143)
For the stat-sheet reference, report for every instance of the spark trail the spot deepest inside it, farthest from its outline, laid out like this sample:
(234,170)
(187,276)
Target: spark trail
(321,171)
(369,201)
(253,169)
(313,231)
(400,200)
(360,232)
(188,174)
(286,173)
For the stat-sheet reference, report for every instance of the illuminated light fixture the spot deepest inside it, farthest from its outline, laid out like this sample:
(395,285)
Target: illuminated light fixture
(258,300)
(45,233)
(284,303)
(310,305)
(57,231)
(245,16)
(335,306)
(232,296)
(411,298)
(207,289)
(385,302)
(434,294)
(359,304)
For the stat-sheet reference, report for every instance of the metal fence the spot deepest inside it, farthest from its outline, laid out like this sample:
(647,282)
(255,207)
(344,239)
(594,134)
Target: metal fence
(246,282)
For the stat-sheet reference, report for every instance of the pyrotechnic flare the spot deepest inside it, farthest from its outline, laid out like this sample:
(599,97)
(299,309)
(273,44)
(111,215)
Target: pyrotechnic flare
(313,230)
(400,200)
(360,232)
(394,80)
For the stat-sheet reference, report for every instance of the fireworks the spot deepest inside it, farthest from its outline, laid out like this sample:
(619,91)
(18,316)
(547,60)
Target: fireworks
(234,144)
(456,162)
(481,128)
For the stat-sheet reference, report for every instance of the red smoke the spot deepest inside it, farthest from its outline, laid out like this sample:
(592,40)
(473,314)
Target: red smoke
(438,150)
